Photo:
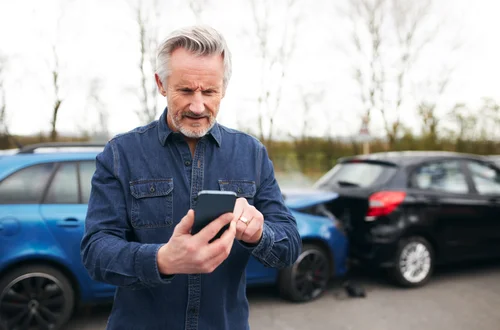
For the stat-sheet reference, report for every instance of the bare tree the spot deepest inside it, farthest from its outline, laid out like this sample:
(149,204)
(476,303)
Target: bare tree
(486,120)
(309,99)
(490,115)
(409,16)
(465,121)
(427,108)
(368,16)
(3,110)
(4,130)
(430,124)
(274,59)
(54,65)
(56,71)
(301,141)
(147,18)
(3,105)
(382,28)
(5,136)
(58,99)
(102,126)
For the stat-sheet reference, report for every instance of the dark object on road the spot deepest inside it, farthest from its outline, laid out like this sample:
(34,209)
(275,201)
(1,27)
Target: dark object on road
(408,211)
(354,290)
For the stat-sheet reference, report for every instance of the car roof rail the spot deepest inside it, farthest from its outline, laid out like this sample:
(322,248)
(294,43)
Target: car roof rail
(32,148)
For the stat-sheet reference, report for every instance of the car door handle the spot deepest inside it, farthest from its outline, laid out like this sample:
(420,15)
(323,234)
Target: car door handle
(68,222)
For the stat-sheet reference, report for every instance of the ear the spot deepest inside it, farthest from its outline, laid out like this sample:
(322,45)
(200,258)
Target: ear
(161,89)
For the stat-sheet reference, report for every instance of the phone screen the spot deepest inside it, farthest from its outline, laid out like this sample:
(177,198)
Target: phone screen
(210,205)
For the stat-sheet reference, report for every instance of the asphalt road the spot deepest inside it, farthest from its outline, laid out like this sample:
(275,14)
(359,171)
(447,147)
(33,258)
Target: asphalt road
(457,298)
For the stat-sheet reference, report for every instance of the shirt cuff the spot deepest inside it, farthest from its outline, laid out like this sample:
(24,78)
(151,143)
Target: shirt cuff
(146,265)
(266,243)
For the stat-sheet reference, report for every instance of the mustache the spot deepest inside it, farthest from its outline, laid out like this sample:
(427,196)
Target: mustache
(195,115)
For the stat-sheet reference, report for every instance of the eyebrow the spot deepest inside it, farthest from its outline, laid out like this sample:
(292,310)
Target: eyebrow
(187,86)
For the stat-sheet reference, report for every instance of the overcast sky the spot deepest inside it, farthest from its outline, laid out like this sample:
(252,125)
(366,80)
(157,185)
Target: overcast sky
(99,39)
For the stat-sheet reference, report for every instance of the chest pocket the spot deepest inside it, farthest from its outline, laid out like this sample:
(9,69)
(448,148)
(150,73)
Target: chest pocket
(152,203)
(242,188)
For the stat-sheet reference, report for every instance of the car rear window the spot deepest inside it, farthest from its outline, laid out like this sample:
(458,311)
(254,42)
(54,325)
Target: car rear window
(356,174)
(26,185)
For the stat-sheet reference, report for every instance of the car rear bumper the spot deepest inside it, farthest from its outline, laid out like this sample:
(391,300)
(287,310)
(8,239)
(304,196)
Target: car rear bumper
(379,253)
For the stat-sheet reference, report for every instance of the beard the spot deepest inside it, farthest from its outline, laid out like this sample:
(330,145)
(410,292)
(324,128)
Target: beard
(195,131)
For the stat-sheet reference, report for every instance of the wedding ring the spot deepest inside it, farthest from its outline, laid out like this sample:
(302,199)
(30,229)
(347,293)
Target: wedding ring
(244,220)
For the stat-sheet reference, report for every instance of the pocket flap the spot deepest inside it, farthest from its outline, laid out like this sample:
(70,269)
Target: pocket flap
(242,188)
(151,188)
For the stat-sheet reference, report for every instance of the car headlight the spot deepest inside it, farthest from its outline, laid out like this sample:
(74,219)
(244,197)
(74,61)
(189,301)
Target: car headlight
(322,210)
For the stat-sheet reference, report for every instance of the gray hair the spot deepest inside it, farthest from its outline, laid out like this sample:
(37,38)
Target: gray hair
(199,40)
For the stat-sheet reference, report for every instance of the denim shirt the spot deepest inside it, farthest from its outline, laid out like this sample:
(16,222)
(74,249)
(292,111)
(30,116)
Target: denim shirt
(145,182)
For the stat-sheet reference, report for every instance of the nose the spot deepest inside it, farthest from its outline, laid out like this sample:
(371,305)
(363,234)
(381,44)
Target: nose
(197,105)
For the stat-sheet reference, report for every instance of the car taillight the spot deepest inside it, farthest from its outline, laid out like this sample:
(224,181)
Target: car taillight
(383,203)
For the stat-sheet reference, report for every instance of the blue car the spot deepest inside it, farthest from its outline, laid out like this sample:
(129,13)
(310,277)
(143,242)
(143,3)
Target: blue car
(44,190)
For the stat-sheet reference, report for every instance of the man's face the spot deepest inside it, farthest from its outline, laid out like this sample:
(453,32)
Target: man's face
(194,90)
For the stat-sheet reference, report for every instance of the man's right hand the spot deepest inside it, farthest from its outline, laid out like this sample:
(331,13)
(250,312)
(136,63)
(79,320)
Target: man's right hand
(193,254)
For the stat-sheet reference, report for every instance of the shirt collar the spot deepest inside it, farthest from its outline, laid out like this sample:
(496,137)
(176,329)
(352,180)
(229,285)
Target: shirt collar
(164,131)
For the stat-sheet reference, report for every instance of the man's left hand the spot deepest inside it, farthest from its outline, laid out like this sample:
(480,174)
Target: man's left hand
(249,222)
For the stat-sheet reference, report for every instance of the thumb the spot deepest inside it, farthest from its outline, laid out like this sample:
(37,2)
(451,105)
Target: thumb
(185,225)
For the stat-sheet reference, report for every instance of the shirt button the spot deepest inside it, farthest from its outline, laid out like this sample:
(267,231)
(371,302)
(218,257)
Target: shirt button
(187,163)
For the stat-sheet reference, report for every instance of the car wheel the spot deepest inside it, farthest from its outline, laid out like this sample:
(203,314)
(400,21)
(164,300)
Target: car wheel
(308,277)
(35,297)
(414,262)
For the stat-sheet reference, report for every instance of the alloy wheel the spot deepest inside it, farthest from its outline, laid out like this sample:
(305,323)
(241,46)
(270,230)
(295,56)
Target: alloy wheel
(310,274)
(415,262)
(32,301)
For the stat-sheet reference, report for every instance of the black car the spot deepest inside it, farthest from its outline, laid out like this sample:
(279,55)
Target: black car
(495,159)
(408,211)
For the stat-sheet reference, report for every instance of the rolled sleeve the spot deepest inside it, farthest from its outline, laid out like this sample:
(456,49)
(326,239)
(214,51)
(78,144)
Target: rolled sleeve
(265,245)
(146,265)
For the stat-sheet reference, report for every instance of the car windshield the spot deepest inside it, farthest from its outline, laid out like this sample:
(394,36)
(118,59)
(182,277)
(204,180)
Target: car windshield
(353,174)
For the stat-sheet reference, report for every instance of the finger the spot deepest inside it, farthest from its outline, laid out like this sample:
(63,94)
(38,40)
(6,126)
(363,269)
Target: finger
(239,206)
(210,230)
(254,227)
(185,225)
(222,246)
(243,220)
(227,237)
(240,229)
(215,262)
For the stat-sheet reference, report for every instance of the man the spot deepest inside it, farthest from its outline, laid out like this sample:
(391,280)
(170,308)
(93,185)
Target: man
(144,189)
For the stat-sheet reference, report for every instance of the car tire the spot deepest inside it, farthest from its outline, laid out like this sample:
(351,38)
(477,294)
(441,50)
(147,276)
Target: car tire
(308,277)
(414,262)
(36,293)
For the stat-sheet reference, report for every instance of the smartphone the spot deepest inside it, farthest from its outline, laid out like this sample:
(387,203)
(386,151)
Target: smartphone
(210,205)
